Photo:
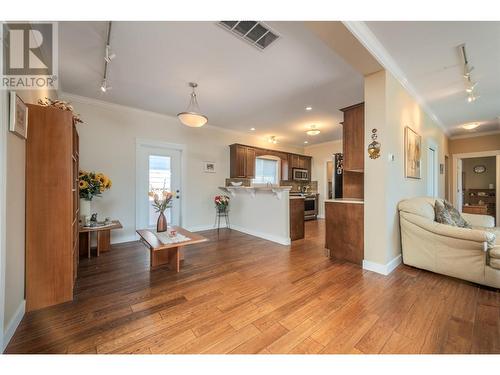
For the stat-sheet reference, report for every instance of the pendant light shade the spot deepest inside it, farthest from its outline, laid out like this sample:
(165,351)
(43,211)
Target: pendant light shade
(192,116)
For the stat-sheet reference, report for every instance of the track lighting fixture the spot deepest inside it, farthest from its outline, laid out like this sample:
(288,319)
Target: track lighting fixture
(470,85)
(104,85)
(109,54)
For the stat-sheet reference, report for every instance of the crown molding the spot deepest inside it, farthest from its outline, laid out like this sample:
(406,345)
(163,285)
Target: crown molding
(366,37)
(473,135)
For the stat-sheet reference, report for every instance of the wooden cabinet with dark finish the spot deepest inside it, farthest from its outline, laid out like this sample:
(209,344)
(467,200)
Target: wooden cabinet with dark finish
(353,137)
(51,206)
(242,161)
(296,218)
(344,231)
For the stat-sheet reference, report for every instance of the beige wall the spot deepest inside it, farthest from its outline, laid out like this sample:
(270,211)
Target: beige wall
(321,153)
(108,144)
(389,108)
(474,144)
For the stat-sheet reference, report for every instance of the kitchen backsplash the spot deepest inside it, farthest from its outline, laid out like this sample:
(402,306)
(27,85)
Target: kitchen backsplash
(296,185)
(299,185)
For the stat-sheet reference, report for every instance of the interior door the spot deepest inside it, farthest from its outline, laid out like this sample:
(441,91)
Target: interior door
(157,168)
(432,172)
(459,202)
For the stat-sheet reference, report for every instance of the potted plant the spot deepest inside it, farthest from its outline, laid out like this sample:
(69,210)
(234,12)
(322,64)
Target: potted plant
(91,185)
(161,201)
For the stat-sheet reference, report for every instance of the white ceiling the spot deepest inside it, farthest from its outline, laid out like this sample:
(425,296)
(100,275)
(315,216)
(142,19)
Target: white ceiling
(427,54)
(239,86)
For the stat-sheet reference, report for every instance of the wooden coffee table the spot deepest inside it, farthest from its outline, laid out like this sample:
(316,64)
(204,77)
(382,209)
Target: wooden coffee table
(161,253)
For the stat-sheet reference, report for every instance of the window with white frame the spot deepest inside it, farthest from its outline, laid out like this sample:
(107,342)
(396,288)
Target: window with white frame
(267,170)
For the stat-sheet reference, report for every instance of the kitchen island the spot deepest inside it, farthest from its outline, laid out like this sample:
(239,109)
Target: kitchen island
(261,211)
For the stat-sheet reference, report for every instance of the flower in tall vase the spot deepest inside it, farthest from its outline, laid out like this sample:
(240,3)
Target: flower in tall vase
(221,203)
(162,199)
(91,184)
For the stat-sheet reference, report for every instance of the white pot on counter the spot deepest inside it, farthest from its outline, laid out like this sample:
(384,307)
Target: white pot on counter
(84,209)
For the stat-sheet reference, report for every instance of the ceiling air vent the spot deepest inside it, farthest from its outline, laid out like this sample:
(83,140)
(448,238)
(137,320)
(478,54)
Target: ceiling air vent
(256,33)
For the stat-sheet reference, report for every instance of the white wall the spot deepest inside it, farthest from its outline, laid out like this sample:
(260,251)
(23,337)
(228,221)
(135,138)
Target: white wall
(108,144)
(321,153)
(389,108)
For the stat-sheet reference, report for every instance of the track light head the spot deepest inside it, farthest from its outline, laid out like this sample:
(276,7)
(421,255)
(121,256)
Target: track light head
(104,85)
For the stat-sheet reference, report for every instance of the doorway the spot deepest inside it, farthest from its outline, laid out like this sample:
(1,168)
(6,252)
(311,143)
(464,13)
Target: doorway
(432,172)
(157,168)
(476,182)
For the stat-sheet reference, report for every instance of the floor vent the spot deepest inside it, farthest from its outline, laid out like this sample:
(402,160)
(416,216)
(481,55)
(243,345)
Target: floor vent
(256,33)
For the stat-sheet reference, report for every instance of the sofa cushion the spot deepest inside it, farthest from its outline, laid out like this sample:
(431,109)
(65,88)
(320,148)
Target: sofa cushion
(442,215)
(495,263)
(421,206)
(495,252)
(455,215)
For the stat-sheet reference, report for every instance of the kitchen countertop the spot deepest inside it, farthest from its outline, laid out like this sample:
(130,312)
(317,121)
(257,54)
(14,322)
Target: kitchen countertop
(345,200)
(296,197)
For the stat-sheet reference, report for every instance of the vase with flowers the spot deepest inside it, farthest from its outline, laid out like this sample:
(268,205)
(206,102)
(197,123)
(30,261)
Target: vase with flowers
(91,185)
(162,199)
(221,203)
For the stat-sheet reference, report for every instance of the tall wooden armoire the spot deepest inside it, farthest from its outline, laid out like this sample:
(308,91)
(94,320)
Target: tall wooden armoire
(52,204)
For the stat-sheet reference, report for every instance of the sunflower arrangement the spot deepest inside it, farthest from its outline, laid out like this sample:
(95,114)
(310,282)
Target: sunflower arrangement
(93,184)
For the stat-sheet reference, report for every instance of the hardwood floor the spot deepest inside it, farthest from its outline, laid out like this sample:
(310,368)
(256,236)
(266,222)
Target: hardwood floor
(241,294)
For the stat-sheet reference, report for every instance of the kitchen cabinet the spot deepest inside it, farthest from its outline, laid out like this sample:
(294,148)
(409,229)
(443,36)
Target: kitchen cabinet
(344,231)
(242,161)
(353,137)
(296,218)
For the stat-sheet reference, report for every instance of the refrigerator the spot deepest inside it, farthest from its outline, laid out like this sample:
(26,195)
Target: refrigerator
(338,170)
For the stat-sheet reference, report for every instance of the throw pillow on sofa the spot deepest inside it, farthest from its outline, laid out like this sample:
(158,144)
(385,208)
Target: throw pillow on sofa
(442,215)
(456,217)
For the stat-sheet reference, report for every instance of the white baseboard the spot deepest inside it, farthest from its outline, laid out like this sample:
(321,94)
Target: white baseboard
(13,324)
(266,236)
(383,269)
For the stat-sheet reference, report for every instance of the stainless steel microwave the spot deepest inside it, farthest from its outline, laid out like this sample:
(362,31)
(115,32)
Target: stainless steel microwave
(300,174)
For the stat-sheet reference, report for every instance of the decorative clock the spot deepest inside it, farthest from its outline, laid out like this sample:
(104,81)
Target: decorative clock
(479,169)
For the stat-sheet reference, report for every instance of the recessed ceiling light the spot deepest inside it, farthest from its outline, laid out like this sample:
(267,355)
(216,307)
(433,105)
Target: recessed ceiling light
(306,142)
(470,126)
(313,130)
(252,129)
(309,108)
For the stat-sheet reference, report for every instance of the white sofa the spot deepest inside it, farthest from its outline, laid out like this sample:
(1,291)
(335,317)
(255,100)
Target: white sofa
(468,254)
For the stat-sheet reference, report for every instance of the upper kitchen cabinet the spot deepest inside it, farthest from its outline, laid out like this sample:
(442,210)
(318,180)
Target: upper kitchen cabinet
(353,137)
(242,161)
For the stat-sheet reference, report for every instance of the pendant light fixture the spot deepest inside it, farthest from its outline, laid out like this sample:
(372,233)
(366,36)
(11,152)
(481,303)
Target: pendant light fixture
(192,116)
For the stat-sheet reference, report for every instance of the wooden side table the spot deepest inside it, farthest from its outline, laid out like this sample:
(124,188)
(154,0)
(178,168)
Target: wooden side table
(103,237)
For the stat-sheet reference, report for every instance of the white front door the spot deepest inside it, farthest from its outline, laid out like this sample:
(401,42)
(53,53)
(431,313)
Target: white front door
(157,168)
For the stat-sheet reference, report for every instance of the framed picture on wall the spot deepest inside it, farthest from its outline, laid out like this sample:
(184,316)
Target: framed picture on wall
(413,153)
(208,167)
(18,118)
